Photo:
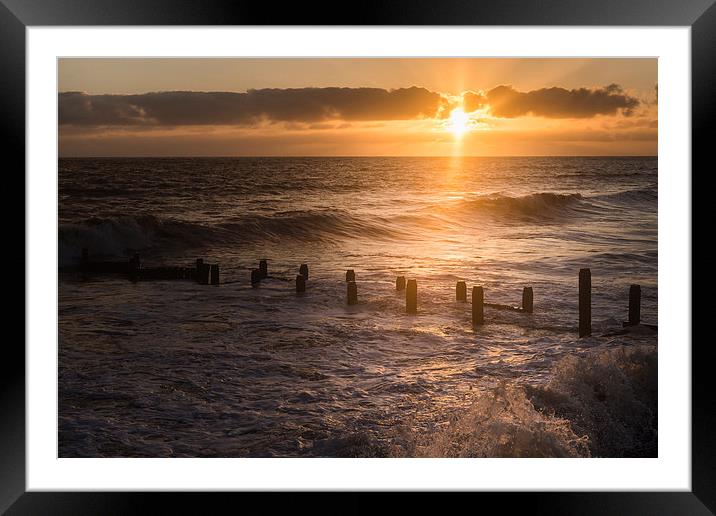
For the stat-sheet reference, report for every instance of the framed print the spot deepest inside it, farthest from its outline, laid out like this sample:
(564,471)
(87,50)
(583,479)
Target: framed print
(428,248)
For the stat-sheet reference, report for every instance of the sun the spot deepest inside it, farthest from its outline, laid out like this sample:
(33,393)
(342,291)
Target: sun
(459,122)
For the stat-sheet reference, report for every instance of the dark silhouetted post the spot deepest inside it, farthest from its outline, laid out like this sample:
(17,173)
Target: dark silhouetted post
(263,269)
(527,299)
(634,305)
(303,270)
(255,277)
(461,291)
(300,283)
(411,297)
(204,274)
(197,272)
(585,302)
(400,283)
(478,306)
(350,275)
(215,274)
(352,293)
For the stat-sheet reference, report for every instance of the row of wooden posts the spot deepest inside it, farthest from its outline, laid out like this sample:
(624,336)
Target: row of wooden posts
(478,298)
(585,304)
(203,273)
(206,274)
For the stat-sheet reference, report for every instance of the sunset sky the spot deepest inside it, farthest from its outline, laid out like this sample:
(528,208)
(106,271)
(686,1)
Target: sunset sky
(357,107)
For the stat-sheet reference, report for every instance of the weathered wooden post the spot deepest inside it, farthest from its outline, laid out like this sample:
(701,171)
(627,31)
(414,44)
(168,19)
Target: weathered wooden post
(634,305)
(461,291)
(400,283)
(478,306)
(352,293)
(585,302)
(215,274)
(527,299)
(303,270)
(204,274)
(350,275)
(300,283)
(263,269)
(199,268)
(255,277)
(411,297)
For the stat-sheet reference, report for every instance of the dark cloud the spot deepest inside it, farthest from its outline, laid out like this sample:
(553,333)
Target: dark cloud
(320,105)
(308,105)
(506,102)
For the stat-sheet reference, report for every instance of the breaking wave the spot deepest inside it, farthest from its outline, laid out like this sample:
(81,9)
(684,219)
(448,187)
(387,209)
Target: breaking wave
(118,236)
(598,405)
(545,205)
(536,206)
(611,397)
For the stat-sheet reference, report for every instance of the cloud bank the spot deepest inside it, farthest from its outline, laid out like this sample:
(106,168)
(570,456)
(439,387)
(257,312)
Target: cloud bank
(307,105)
(506,102)
(317,105)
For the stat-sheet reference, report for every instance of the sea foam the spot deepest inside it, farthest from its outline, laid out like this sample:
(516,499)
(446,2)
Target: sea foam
(598,405)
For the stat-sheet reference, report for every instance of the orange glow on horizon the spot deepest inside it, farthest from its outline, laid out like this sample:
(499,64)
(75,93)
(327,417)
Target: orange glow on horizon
(357,107)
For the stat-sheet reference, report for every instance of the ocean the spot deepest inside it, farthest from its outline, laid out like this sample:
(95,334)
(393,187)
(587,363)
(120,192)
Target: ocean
(179,369)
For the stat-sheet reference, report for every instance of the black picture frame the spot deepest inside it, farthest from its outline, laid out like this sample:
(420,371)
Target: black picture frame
(17,15)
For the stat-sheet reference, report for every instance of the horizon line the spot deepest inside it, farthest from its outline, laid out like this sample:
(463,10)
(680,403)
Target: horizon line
(365,156)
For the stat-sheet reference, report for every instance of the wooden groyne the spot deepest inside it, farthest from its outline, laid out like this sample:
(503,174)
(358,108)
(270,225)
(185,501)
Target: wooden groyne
(527,300)
(478,306)
(634,306)
(585,302)
(300,283)
(411,297)
(133,269)
(461,292)
(400,283)
(208,274)
(352,289)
